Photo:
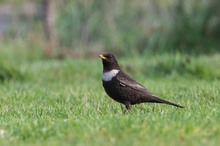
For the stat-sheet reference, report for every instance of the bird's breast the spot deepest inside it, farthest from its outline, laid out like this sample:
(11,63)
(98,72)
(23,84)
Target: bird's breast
(108,75)
(113,89)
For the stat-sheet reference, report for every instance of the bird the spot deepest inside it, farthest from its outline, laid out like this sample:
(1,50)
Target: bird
(122,88)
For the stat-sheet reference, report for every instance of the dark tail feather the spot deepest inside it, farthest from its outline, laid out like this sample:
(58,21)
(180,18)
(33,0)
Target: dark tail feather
(159,100)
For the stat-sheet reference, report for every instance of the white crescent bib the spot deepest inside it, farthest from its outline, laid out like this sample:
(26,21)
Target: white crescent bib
(107,76)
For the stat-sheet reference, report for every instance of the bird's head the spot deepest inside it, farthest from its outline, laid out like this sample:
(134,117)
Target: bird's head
(109,62)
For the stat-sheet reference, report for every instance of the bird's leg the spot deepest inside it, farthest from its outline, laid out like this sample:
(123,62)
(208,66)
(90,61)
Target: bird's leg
(123,109)
(128,105)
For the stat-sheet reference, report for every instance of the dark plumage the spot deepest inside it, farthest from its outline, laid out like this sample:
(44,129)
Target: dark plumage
(122,88)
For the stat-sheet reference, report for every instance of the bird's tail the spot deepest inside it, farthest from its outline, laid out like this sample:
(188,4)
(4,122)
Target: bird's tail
(159,100)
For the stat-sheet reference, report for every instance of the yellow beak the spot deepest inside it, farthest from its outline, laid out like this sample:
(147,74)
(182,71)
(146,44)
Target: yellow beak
(103,57)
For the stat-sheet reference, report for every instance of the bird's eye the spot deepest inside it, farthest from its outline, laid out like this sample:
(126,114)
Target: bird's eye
(110,56)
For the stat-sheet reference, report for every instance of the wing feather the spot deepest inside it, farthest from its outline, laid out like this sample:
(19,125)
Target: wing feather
(127,81)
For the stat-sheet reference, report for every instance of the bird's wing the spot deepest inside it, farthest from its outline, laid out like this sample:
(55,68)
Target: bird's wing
(127,81)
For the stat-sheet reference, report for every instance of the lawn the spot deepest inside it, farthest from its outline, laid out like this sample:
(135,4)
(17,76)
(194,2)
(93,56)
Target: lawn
(62,102)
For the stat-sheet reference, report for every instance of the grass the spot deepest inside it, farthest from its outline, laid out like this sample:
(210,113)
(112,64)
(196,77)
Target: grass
(62,102)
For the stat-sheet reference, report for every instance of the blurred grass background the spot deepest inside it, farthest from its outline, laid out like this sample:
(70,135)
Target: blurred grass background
(81,27)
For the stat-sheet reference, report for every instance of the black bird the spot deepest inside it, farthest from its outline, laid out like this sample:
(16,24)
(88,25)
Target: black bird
(122,88)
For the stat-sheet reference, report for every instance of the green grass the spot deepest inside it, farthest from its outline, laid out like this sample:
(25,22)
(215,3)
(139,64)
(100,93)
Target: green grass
(62,102)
